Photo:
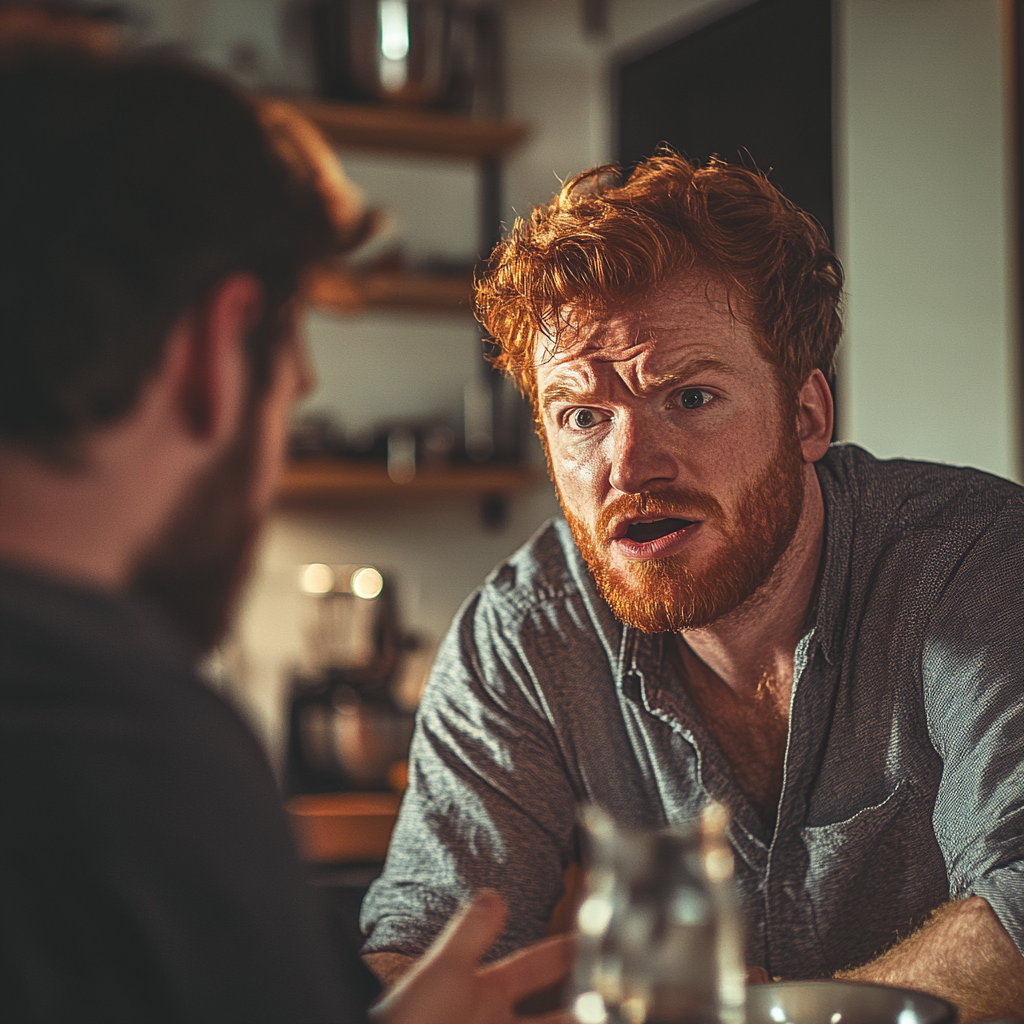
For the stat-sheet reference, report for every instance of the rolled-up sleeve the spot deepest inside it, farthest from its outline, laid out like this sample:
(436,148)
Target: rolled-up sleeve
(973,675)
(489,804)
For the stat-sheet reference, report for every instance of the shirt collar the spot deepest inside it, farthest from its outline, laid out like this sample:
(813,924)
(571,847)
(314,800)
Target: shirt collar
(833,587)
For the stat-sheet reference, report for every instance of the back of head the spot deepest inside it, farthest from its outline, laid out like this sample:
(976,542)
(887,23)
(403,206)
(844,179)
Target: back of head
(604,245)
(128,189)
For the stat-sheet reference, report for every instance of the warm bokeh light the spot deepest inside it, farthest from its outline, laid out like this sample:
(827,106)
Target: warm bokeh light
(317,578)
(367,583)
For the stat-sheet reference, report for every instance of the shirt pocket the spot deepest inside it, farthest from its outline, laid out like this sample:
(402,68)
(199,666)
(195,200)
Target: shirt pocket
(874,877)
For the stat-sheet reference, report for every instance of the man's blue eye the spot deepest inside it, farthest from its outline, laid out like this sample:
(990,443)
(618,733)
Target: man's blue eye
(693,398)
(583,418)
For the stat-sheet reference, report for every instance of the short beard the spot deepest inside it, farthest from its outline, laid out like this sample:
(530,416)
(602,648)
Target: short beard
(665,595)
(195,571)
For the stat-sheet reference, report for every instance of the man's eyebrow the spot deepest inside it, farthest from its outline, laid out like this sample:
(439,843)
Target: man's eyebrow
(564,393)
(685,371)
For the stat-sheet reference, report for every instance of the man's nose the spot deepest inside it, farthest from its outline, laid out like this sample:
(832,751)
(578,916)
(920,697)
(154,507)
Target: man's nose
(642,457)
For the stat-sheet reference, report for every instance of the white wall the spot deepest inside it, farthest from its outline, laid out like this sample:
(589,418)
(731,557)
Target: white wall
(925,225)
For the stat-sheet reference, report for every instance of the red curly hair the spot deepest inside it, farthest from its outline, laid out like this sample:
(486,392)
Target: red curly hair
(603,244)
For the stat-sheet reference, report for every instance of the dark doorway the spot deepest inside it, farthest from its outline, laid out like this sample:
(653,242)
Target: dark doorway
(755,86)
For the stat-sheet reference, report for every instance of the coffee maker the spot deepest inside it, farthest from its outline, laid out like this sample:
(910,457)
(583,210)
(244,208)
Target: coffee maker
(346,730)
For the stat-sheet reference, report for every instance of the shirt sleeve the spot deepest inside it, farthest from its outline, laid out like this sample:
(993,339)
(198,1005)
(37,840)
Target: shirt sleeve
(489,803)
(973,675)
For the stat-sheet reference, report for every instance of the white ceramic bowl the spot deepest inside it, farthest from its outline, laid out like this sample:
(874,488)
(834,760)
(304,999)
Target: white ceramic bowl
(843,1002)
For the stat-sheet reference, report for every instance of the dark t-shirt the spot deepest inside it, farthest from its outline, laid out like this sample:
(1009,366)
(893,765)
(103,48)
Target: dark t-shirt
(146,868)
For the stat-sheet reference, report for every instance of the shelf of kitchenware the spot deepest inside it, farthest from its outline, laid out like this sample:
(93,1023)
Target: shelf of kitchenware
(399,129)
(331,479)
(405,130)
(392,129)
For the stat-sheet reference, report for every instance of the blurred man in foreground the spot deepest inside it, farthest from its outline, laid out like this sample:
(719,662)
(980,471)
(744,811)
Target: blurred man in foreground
(732,610)
(153,241)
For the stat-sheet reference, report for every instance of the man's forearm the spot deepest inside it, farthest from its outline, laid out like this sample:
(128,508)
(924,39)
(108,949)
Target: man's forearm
(963,954)
(389,967)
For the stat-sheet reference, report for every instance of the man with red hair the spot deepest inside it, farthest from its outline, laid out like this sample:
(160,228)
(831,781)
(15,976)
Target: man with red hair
(732,610)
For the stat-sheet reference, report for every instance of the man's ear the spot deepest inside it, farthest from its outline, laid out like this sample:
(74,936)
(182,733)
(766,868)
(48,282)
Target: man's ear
(215,376)
(814,417)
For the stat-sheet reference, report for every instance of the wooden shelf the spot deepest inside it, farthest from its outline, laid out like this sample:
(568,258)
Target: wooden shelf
(412,130)
(350,292)
(335,479)
(332,828)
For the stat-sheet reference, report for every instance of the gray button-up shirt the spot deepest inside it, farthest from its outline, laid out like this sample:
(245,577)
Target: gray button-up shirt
(904,772)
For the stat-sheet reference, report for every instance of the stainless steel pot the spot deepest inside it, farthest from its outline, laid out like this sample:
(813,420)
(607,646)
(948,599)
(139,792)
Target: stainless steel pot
(400,49)
(414,52)
(356,743)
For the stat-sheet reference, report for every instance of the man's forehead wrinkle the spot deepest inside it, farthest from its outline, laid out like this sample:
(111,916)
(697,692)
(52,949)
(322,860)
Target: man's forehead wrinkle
(691,311)
(603,340)
(621,339)
(570,382)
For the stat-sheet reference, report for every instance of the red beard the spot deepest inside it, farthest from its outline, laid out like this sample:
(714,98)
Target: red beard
(665,595)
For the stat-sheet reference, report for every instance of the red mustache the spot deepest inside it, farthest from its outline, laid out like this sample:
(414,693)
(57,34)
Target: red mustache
(673,503)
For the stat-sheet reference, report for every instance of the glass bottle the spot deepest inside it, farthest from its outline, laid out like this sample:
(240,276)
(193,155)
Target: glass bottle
(659,933)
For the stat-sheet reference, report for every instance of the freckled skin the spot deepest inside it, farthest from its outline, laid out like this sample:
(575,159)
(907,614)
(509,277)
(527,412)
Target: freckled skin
(679,395)
(643,437)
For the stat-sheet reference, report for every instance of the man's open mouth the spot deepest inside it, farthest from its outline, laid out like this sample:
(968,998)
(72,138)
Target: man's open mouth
(655,529)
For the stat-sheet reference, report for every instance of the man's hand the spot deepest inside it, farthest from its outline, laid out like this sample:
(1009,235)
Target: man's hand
(962,954)
(448,985)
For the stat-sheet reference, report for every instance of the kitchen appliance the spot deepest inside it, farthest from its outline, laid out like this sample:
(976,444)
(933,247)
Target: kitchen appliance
(355,628)
(346,730)
(345,737)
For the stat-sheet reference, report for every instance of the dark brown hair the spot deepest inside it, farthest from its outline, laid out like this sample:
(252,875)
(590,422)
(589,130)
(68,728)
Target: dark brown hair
(602,244)
(129,189)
